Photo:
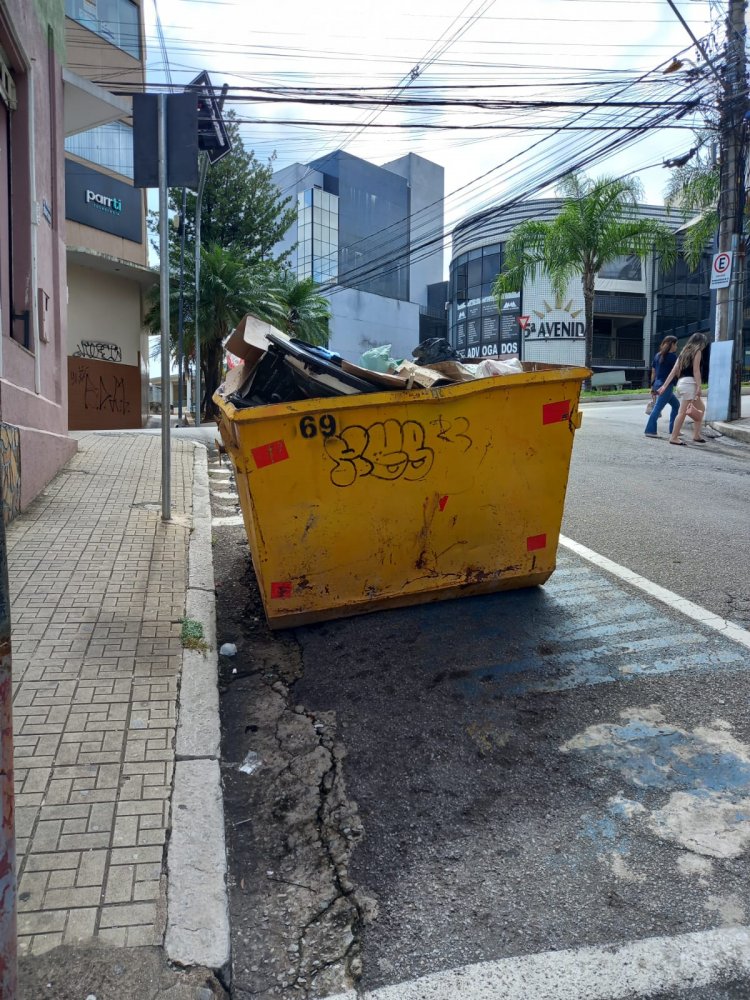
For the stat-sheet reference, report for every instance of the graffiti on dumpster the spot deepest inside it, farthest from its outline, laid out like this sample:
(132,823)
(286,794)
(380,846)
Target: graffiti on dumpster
(389,450)
(453,431)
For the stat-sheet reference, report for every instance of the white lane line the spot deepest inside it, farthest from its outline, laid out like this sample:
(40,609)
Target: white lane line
(668,597)
(609,972)
(227,522)
(224,496)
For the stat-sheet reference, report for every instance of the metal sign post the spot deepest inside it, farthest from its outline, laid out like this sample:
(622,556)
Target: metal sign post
(196,324)
(8,887)
(166,484)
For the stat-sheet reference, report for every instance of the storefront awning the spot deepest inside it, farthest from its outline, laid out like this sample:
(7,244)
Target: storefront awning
(87,105)
(144,276)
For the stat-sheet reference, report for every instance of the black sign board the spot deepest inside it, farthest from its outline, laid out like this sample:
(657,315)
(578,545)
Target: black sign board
(182,140)
(212,134)
(100,201)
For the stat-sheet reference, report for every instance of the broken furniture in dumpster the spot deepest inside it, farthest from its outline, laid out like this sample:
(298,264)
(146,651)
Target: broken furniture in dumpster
(374,499)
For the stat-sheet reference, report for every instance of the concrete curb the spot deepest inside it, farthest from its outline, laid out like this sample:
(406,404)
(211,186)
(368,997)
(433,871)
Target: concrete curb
(633,397)
(197,903)
(739,433)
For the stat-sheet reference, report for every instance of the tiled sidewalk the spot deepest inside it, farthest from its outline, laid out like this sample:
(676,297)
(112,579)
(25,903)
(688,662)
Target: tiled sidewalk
(97,587)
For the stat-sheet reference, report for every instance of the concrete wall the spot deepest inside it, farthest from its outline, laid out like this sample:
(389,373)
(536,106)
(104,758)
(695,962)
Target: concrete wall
(104,309)
(361,320)
(426,188)
(33,384)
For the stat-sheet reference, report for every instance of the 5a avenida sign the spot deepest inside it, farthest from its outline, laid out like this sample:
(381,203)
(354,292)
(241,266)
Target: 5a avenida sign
(560,320)
(556,324)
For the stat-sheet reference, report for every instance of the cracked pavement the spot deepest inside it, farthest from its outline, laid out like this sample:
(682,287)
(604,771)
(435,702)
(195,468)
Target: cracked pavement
(296,915)
(477,780)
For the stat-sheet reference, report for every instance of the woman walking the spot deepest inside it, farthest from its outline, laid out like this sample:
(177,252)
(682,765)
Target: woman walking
(687,371)
(662,365)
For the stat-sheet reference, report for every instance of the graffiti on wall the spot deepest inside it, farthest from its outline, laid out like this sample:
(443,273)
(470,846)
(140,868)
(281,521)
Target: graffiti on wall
(103,395)
(10,471)
(101,392)
(98,351)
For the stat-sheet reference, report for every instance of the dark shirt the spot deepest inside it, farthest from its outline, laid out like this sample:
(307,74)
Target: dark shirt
(663,365)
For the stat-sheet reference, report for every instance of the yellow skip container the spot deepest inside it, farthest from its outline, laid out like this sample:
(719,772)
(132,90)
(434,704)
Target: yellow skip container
(362,502)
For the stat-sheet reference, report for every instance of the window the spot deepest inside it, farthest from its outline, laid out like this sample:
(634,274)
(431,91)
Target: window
(109,146)
(622,268)
(15,237)
(317,235)
(115,20)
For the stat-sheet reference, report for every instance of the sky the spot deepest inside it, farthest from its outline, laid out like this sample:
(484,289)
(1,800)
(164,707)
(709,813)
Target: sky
(536,49)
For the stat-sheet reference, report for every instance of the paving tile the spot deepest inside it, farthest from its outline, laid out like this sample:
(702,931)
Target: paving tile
(124,916)
(80,926)
(120,880)
(53,862)
(45,942)
(96,585)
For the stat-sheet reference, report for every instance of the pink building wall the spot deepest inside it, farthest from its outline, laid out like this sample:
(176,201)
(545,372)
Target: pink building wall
(33,380)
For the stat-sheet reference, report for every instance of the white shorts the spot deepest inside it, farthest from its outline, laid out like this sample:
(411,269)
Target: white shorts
(687,388)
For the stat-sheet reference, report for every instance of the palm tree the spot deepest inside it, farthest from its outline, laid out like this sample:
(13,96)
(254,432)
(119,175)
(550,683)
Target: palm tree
(694,189)
(299,310)
(229,289)
(597,223)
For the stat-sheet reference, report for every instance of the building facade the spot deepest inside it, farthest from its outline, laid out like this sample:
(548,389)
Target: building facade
(631,310)
(636,305)
(107,246)
(372,237)
(34,442)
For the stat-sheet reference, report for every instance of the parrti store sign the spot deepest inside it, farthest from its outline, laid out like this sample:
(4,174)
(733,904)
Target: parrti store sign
(104,202)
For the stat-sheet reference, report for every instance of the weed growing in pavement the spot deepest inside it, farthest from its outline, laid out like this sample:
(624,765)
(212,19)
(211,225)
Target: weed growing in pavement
(191,635)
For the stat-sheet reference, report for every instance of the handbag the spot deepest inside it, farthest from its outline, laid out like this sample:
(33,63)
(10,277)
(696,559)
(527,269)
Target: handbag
(650,406)
(695,410)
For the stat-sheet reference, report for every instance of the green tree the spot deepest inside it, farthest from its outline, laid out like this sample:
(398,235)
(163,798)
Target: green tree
(694,190)
(244,216)
(299,310)
(242,207)
(597,223)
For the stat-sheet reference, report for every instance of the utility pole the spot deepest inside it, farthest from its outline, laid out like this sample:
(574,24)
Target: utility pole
(732,126)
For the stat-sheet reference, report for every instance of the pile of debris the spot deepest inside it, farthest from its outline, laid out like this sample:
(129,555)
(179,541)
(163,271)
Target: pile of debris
(275,368)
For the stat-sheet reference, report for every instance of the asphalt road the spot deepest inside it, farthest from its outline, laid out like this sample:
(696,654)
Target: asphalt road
(678,516)
(524,796)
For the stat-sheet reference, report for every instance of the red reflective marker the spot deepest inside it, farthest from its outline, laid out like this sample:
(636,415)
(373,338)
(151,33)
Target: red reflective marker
(555,413)
(280,590)
(534,542)
(268,454)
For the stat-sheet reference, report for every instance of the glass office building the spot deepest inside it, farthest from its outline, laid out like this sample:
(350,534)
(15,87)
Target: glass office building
(373,224)
(636,303)
(371,236)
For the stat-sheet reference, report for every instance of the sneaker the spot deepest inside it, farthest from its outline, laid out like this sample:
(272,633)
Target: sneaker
(650,435)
